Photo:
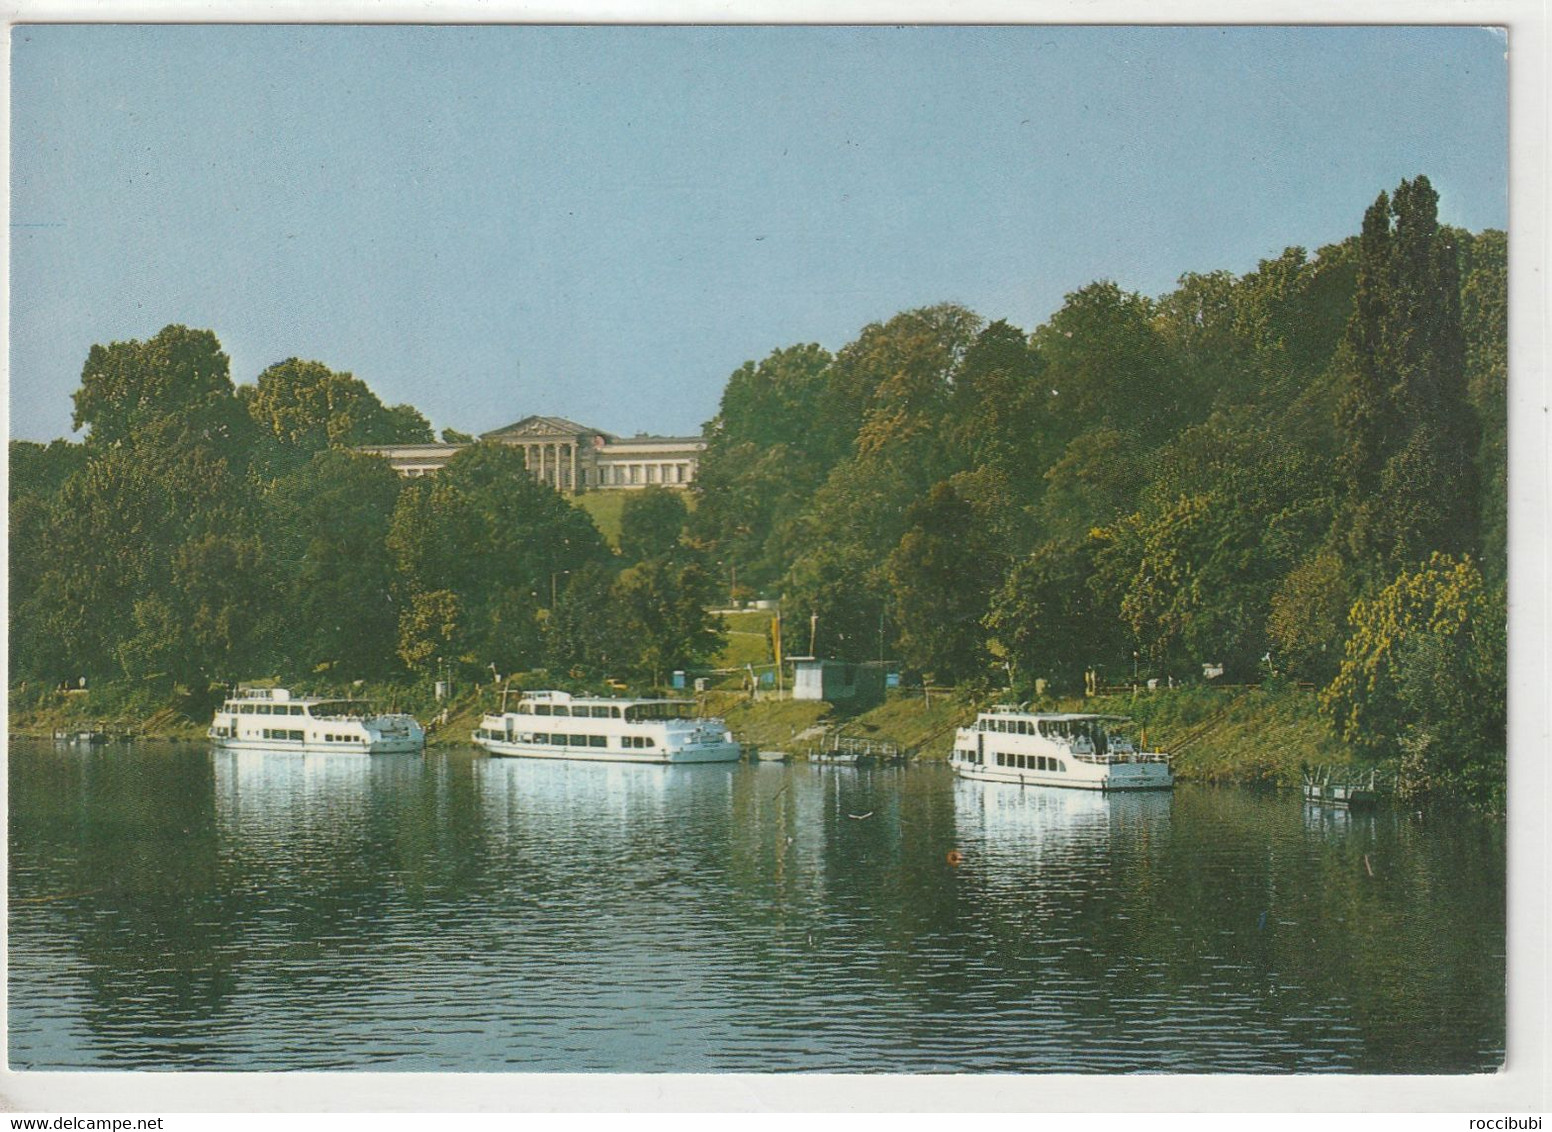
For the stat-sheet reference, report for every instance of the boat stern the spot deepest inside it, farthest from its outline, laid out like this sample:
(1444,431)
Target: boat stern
(1153,774)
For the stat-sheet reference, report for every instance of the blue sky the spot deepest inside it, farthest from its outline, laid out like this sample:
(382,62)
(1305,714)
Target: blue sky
(603,223)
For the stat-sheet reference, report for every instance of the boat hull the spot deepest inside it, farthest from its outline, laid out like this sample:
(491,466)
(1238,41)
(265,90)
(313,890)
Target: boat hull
(704,753)
(394,746)
(1139,776)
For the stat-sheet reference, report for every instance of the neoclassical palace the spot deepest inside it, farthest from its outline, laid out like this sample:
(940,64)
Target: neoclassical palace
(570,457)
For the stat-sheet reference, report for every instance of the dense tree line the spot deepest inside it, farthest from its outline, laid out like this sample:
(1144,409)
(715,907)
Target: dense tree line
(1298,472)
(204,533)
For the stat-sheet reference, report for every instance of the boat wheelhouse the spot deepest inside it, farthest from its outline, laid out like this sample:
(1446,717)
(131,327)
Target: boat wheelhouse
(557,725)
(271,719)
(1071,749)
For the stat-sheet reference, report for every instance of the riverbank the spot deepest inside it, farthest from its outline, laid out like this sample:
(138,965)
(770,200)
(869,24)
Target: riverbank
(1251,736)
(1236,735)
(127,712)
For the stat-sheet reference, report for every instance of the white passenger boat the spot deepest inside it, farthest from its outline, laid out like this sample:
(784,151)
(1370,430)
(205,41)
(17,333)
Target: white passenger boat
(556,725)
(271,719)
(1072,749)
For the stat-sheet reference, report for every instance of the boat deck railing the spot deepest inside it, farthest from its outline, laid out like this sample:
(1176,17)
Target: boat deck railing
(1114,757)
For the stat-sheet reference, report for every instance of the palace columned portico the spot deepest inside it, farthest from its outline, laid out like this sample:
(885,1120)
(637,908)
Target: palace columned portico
(570,457)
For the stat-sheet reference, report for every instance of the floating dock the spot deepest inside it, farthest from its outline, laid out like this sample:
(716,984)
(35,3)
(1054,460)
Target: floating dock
(1344,787)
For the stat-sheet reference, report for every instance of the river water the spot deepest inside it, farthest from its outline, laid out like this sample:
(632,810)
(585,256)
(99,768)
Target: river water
(181,908)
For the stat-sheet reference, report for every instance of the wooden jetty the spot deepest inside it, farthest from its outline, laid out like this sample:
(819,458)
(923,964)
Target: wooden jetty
(1344,787)
(846,750)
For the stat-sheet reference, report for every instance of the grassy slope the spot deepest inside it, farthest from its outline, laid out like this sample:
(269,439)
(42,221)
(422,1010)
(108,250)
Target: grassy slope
(914,724)
(120,710)
(1230,735)
(748,640)
(605,508)
(1233,735)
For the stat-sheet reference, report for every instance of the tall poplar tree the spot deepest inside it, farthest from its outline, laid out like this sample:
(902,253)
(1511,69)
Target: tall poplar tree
(1408,428)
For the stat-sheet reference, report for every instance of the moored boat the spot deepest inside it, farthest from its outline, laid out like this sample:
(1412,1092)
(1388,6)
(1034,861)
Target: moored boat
(1070,749)
(271,719)
(557,725)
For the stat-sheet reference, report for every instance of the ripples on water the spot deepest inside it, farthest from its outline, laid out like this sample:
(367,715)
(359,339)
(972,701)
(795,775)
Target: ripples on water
(173,907)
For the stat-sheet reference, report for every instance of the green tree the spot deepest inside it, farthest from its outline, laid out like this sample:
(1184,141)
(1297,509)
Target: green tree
(1290,315)
(179,379)
(1485,324)
(651,523)
(202,627)
(998,413)
(1095,481)
(584,632)
(941,575)
(1424,675)
(1047,620)
(38,473)
(1308,619)
(662,612)
(109,542)
(1198,324)
(432,632)
(307,406)
(502,543)
(1405,421)
(1229,512)
(764,459)
(328,525)
(774,401)
(1108,366)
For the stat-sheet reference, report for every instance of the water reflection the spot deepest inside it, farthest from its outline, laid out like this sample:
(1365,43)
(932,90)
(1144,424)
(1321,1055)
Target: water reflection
(1014,820)
(173,906)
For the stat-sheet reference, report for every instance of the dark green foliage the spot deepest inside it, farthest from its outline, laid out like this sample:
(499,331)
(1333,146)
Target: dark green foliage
(307,406)
(1230,511)
(1048,621)
(1253,471)
(479,549)
(38,471)
(764,459)
(651,523)
(133,391)
(327,526)
(1404,417)
(583,635)
(1107,364)
(662,615)
(1485,324)
(941,575)
(1424,675)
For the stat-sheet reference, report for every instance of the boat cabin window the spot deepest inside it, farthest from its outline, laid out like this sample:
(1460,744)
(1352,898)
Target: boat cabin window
(597,741)
(639,713)
(338,709)
(559,709)
(541,709)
